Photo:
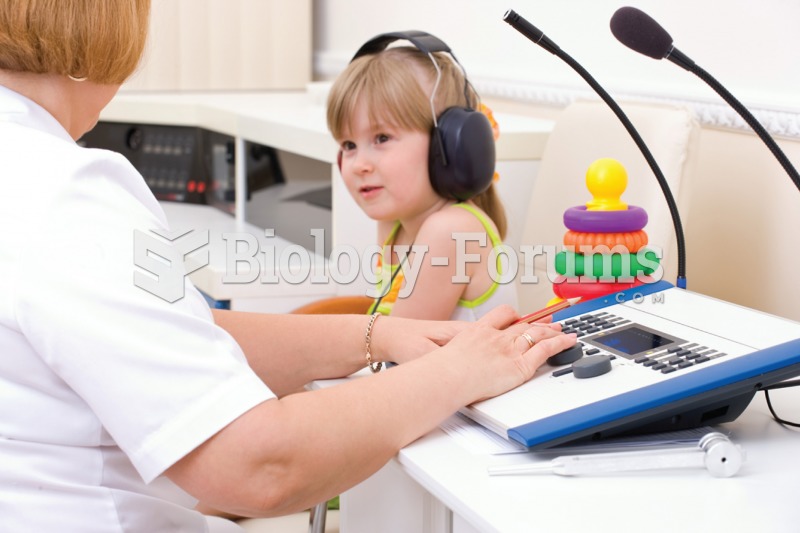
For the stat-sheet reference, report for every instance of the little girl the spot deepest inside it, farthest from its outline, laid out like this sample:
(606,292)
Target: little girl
(380,113)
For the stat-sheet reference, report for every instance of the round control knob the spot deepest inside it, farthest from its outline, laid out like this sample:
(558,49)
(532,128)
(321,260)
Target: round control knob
(134,138)
(590,367)
(570,355)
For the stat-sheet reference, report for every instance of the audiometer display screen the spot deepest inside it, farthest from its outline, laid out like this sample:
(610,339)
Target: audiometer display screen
(633,340)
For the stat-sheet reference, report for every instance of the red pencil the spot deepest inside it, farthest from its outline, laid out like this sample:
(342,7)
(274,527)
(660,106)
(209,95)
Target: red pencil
(547,311)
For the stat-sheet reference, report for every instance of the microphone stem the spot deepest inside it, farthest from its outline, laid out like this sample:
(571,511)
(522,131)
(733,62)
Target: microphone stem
(750,119)
(673,208)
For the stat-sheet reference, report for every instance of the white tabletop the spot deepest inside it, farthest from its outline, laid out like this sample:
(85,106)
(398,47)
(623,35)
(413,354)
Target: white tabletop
(221,279)
(759,498)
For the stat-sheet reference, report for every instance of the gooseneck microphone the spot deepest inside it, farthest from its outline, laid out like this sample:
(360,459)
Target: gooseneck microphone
(537,36)
(639,32)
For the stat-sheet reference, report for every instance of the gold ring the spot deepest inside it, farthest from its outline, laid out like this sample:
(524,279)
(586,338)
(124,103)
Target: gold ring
(529,340)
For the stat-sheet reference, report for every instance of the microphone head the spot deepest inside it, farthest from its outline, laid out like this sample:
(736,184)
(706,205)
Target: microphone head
(638,31)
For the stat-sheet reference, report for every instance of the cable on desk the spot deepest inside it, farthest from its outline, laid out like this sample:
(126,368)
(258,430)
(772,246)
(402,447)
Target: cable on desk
(783,385)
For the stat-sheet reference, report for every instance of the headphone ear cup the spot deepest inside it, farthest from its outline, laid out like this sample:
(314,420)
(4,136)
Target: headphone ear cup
(461,157)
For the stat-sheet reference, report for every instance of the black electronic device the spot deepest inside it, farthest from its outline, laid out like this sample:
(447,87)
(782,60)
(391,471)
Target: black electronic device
(641,33)
(462,153)
(187,164)
(657,358)
(262,169)
(537,36)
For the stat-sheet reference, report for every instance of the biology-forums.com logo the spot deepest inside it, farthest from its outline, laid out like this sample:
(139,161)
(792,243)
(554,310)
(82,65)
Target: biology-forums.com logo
(163,260)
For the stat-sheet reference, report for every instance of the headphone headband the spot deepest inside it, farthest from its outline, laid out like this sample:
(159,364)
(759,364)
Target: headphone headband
(426,42)
(461,156)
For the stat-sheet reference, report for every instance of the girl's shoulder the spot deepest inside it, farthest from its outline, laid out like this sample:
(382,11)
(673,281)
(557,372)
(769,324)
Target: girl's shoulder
(461,217)
(456,218)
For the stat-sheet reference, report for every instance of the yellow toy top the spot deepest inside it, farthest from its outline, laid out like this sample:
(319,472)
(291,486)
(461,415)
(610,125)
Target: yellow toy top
(606,179)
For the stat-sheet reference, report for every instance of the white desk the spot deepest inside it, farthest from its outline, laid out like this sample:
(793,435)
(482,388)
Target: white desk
(294,122)
(222,279)
(437,485)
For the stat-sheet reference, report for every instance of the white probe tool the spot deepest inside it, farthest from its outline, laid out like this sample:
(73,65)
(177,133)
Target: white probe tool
(715,452)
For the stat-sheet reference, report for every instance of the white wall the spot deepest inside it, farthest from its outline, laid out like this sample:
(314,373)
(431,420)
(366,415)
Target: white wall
(753,47)
(226,45)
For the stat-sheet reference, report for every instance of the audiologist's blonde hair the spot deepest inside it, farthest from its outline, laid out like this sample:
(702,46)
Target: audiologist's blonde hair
(388,82)
(101,40)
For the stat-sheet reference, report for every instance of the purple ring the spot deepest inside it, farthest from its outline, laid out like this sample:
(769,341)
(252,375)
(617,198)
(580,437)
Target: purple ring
(582,220)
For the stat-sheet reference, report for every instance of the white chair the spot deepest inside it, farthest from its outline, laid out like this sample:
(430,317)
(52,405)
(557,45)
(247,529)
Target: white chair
(588,130)
(295,523)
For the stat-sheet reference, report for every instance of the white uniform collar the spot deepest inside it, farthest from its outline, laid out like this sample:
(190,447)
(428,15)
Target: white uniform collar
(19,109)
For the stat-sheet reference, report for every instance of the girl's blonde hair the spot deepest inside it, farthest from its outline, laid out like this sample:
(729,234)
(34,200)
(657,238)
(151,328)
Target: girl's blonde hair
(389,84)
(100,40)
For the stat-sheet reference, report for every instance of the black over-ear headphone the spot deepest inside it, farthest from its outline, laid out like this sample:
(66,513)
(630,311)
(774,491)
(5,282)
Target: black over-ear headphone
(461,157)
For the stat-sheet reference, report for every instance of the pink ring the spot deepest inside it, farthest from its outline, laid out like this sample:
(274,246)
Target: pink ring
(580,219)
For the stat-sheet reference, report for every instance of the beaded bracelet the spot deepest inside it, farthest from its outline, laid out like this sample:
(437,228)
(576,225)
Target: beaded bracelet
(368,337)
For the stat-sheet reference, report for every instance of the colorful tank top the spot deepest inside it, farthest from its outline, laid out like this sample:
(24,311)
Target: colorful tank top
(469,310)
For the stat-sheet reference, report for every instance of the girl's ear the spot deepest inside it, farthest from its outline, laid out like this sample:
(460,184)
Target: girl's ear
(339,160)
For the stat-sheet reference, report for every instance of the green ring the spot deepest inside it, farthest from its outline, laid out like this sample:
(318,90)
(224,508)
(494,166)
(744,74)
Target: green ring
(577,261)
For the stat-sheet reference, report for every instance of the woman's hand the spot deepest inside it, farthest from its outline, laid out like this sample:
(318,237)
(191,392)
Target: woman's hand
(496,356)
(400,340)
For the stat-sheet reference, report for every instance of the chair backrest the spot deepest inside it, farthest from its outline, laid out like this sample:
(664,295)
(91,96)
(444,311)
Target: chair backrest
(336,305)
(588,130)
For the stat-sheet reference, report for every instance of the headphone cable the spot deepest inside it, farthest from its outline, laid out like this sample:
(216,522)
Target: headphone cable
(378,300)
(783,385)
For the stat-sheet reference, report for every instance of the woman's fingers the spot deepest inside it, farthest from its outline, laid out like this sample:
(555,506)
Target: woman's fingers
(500,317)
(530,335)
(536,355)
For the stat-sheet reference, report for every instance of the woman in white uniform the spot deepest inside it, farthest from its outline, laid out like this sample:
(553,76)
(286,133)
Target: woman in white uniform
(119,410)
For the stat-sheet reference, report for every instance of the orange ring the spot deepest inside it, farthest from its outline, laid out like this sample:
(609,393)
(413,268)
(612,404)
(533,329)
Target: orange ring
(632,240)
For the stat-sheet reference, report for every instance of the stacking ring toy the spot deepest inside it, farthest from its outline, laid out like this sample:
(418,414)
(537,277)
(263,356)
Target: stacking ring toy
(580,219)
(575,264)
(566,288)
(632,241)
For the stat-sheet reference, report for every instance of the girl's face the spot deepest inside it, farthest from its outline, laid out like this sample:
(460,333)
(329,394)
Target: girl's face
(386,169)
